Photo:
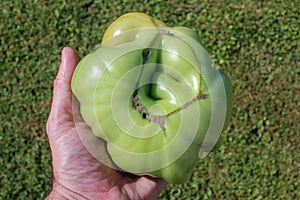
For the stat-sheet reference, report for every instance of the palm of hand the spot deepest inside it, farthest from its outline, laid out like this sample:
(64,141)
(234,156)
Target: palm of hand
(77,174)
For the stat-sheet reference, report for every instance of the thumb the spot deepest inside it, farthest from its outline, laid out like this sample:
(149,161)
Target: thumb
(69,61)
(61,108)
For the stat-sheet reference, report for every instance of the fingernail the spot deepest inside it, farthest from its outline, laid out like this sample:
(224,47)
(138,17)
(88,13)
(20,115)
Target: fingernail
(63,55)
(62,63)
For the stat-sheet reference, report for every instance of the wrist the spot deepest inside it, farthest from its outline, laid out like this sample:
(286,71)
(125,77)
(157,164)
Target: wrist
(55,195)
(59,192)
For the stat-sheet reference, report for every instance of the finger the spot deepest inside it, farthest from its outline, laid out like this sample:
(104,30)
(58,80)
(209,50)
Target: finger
(68,64)
(61,108)
(62,94)
(155,185)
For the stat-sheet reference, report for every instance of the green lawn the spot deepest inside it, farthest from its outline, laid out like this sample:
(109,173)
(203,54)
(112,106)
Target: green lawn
(256,42)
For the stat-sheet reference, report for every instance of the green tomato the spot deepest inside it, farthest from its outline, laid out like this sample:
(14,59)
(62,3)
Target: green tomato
(152,93)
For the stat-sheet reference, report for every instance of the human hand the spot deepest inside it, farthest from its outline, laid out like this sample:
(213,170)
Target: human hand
(78,174)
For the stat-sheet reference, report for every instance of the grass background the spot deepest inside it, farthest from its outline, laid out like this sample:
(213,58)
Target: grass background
(255,42)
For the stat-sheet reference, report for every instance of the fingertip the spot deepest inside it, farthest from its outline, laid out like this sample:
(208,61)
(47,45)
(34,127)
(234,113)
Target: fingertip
(66,51)
(70,56)
(69,61)
(162,182)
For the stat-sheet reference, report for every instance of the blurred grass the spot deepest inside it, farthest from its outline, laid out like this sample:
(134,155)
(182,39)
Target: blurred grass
(256,42)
